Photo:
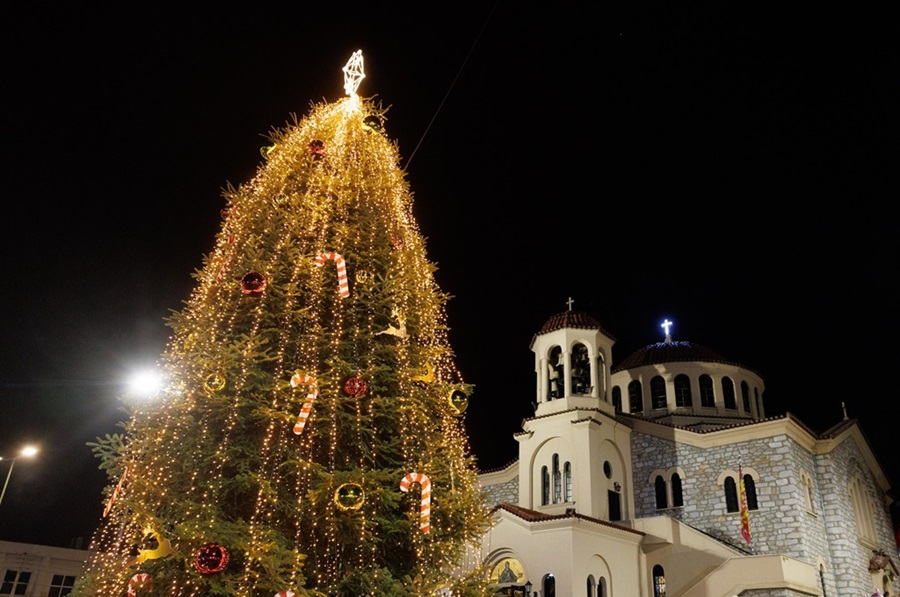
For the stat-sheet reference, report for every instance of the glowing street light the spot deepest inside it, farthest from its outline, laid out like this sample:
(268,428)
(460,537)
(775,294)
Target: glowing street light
(27,452)
(145,383)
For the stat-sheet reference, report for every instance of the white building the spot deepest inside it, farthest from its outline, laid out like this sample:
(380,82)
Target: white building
(39,570)
(627,483)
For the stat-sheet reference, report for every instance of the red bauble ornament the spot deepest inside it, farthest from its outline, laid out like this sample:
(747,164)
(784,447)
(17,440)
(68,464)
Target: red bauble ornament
(210,558)
(317,148)
(253,284)
(356,386)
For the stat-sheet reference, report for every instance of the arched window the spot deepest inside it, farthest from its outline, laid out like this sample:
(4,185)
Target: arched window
(707,397)
(659,581)
(617,398)
(677,496)
(862,511)
(567,473)
(549,586)
(581,369)
(660,486)
(683,391)
(728,394)
(635,402)
(750,492)
(555,378)
(745,396)
(557,480)
(758,399)
(667,488)
(545,486)
(806,482)
(596,589)
(658,392)
(731,495)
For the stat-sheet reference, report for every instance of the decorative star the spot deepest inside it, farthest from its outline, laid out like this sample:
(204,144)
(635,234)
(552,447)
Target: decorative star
(353,73)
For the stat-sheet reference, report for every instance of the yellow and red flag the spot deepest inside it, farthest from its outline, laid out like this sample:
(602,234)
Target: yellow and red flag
(745,514)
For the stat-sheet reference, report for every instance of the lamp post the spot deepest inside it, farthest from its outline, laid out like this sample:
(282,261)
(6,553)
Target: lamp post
(27,452)
(528,587)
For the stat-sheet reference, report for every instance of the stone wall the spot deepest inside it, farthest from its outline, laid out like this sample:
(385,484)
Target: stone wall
(849,557)
(824,535)
(503,492)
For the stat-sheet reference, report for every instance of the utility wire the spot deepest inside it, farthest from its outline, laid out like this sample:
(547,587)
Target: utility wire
(446,95)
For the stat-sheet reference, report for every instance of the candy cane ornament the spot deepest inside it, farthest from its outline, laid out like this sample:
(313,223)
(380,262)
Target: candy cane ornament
(343,284)
(425,502)
(142,579)
(115,493)
(299,377)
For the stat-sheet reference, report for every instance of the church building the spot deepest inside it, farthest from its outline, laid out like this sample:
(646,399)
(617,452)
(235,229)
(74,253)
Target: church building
(660,474)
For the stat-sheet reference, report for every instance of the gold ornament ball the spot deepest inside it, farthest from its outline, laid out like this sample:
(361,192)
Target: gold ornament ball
(349,496)
(459,401)
(214,382)
(372,123)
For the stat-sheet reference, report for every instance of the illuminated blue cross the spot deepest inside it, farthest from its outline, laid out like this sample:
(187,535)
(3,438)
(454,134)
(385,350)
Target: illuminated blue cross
(666,325)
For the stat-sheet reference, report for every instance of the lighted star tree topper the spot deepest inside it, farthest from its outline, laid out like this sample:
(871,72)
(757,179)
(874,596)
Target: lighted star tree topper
(353,73)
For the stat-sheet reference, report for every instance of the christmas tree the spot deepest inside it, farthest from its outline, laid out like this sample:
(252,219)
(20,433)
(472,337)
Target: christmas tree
(310,439)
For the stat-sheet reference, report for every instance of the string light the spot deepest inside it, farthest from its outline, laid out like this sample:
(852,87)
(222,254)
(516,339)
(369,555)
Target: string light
(355,201)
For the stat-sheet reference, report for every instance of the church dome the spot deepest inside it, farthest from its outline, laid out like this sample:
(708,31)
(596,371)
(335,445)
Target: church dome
(673,351)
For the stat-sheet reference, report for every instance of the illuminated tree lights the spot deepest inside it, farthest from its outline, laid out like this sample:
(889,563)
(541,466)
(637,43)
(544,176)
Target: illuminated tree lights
(244,500)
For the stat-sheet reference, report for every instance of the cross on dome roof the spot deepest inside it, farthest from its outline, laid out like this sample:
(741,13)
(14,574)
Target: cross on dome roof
(666,325)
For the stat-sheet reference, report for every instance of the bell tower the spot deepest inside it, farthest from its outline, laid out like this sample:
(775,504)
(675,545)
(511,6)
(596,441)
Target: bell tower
(572,355)
(573,454)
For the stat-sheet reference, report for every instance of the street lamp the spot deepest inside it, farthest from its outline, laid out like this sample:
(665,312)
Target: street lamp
(27,452)
(528,587)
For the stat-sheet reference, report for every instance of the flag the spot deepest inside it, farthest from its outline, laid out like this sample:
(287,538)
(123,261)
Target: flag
(745,514)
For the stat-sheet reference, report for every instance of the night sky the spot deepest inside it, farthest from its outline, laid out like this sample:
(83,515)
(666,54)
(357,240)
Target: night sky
(730,170)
